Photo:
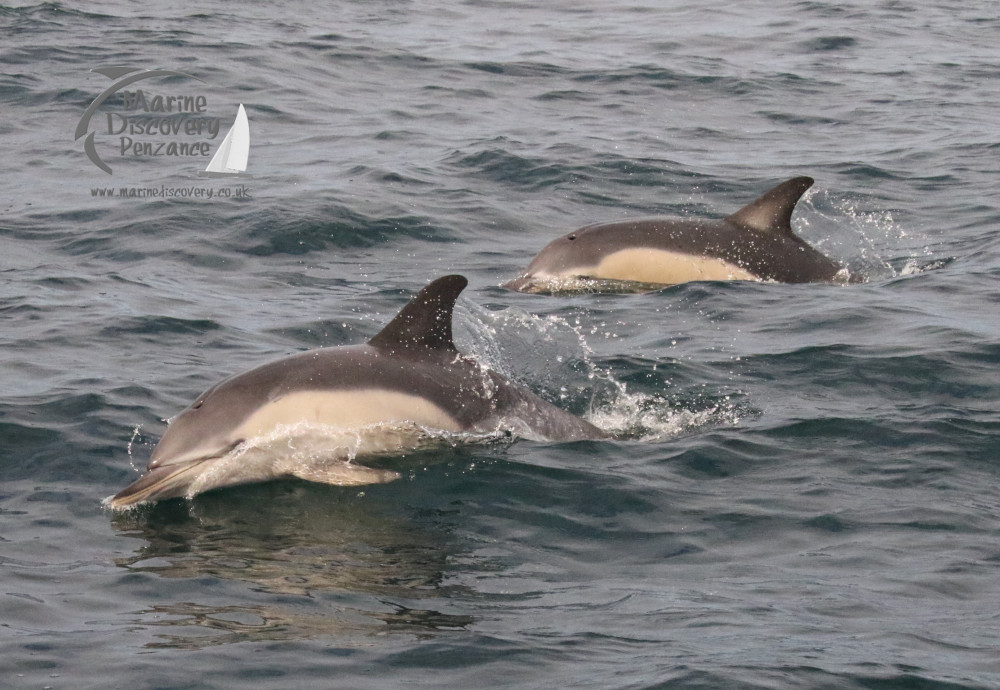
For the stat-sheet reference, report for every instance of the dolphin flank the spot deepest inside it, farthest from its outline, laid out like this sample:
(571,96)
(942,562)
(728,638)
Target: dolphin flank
(390,395)
(755,243)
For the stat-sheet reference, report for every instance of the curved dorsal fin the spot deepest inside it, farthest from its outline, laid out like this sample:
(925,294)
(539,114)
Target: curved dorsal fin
(425,323)
(772,212)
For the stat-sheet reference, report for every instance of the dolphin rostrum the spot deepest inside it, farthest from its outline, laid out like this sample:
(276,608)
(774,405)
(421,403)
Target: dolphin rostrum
(755,243)
(311,414)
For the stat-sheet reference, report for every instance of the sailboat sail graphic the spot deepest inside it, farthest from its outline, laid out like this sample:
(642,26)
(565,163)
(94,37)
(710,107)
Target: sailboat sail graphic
(231,157)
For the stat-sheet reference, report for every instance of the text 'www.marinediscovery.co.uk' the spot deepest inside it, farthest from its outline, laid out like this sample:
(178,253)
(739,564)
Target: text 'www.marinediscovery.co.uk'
(238,192)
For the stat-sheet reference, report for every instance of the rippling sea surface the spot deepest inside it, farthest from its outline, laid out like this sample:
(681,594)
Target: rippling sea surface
(802,488)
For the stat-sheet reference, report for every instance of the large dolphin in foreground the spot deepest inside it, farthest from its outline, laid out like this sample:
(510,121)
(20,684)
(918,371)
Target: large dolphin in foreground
(309,415)
(755,243)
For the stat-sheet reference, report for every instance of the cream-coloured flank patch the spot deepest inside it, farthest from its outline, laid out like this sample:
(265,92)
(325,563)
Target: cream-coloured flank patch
(347,410)
(646,265)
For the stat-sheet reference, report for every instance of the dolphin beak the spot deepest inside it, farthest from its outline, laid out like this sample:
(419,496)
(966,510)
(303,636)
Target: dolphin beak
(160,483)
(166,478)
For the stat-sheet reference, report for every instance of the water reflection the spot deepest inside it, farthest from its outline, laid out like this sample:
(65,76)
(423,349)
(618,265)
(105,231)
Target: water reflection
(318,561)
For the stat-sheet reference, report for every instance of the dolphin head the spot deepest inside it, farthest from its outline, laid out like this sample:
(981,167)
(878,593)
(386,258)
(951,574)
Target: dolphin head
(208,428)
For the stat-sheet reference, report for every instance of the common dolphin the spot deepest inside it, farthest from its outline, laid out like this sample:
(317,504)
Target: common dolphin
(755,243)
(387,396)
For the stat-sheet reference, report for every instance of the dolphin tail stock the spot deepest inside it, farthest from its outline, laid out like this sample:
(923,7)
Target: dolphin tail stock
(537,419)
(772,211)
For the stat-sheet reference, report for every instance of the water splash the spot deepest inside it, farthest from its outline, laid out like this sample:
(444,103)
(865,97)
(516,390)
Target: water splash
(650,417)
(128,448)
(862,237)
(555,359)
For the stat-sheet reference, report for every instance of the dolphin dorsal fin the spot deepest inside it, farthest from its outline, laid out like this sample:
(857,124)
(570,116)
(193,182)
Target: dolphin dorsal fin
(425,323)
(772,212)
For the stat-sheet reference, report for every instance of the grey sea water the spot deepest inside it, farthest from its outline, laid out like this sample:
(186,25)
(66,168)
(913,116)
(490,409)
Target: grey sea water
(802,491)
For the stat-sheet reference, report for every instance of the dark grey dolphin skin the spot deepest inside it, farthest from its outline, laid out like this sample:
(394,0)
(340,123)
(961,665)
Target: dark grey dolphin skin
(755,243)
(386,395)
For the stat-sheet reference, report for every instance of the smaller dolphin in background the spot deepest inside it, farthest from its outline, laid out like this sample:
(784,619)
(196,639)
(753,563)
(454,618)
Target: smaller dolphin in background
(755,243)
(311,414)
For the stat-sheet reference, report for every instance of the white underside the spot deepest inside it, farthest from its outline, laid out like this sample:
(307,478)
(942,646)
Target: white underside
(318,453)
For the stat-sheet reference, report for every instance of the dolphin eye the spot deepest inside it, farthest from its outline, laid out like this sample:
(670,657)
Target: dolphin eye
(571,237)
(197,404)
